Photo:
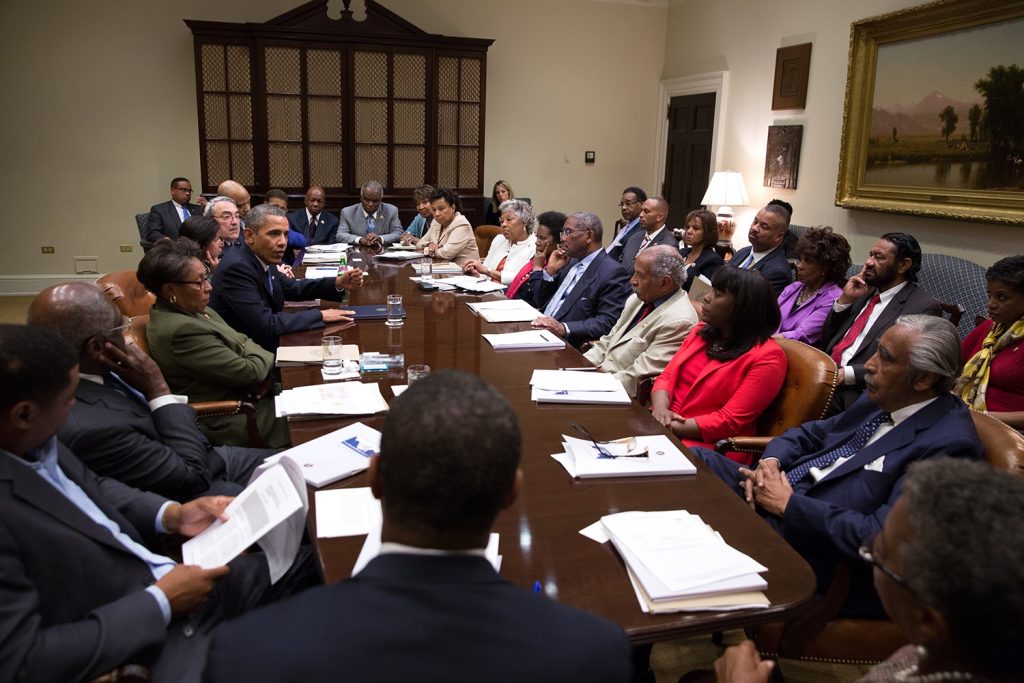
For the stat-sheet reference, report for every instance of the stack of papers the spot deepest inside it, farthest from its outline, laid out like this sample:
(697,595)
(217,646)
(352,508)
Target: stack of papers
(677,563)
(555,386)
(334,248)
(582,460)
(333,456)
(288,356)
(474,283)
(318,272)
(531,339)
(321,257)
(347,398)
(505,311)
(347,512)
(440,268)
(402,247)
(400,255)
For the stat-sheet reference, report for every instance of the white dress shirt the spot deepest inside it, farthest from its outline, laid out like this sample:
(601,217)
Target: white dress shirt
(851,350)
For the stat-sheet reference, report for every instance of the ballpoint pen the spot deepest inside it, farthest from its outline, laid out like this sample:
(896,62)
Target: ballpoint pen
(602,452)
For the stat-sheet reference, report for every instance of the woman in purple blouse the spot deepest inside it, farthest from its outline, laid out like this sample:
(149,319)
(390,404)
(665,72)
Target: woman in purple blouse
(823,258)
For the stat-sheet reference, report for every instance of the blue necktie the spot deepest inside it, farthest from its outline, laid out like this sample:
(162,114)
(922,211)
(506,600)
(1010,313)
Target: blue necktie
(371,225)
(128,390)
(185,215)
(856,442)
(570,281)
(749,261)
(270,278)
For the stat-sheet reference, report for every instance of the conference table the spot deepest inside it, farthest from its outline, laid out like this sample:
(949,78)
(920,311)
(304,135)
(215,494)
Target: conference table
(539,533)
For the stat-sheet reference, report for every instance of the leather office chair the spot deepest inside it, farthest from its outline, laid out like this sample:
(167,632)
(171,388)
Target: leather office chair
(134,301)
(127,293)
(811,378)
(818,636)
(484,235)
(140,223)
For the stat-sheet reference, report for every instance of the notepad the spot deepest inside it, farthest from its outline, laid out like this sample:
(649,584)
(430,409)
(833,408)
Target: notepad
(505,310)
(530,339)
(582,460)
(333,456)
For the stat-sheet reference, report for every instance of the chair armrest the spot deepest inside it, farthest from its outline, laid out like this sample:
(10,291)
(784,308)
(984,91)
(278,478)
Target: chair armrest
(743,444)
(215,408)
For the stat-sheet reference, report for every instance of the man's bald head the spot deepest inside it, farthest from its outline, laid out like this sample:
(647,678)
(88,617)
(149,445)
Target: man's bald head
(77,311)
(653,213)
(235,190)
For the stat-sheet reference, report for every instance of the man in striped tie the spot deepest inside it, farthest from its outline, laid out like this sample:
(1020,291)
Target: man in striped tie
(766,253)
(828,485)
(165,219)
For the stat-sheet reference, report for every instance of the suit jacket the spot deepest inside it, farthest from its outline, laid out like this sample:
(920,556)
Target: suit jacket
(161,451)
(909,300)
(832,518)
(593,305)
(206,360)
(326,226)
(242,296)
(632,246)
(726,397)
(413,617)
(615,250)
(708,261)
(806,322)
(646,348)
(165,221)
(456,242)
(73,599)
(774,266)
(353,224)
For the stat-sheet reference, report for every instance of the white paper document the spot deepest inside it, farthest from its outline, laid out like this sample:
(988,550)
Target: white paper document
(316,258)
(555,386)
(473,283)
(399,255)
(312,355)
(530,339)
(582,460)
(346,512)
(438,283)
(333,456)
(371,549)
(319,272)
(505,311)
(270,499)
(334,248)
(344,398)
(439,267)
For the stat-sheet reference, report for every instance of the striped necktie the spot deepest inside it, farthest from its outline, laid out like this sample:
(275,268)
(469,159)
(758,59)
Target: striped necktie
(851,447)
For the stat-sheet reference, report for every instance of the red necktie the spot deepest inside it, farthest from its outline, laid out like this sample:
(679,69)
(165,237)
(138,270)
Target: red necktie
(855,329)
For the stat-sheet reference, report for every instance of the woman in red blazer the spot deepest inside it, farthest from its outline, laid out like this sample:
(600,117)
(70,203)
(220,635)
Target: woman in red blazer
(728,369)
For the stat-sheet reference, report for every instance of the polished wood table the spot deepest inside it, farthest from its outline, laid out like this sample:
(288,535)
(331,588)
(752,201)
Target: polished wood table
(539,534)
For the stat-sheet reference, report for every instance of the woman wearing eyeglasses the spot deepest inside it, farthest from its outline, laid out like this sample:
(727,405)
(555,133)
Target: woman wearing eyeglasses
(199,354)
(947,567)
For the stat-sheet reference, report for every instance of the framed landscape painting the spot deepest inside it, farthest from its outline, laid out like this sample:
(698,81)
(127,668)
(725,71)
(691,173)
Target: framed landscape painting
(934,117)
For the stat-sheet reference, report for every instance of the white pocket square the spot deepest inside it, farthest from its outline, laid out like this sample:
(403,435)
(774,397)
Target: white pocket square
(876,465)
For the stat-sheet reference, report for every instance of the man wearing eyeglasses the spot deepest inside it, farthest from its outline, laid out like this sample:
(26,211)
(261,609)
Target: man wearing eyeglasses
(828,485)
(371,222)
(632,199)
(581,290)
(165,219)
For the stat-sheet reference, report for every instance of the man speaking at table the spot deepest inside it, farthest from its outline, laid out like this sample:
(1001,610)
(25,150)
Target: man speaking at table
(581,290)
(249,292)
(430,606)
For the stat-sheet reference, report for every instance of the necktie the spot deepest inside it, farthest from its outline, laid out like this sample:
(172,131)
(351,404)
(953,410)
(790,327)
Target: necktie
(749,261)
(128,390)
(185,215)
(270,278)
(556,302)
(855,329)
(856,442)
(370,224)
(644,312)
(643,244)
(312,226)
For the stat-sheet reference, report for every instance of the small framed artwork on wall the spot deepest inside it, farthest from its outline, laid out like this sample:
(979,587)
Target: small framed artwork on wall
(782,158)
(792,67)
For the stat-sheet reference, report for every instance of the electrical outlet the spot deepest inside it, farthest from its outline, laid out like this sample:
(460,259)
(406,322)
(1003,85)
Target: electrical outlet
(49,250)
(126,248)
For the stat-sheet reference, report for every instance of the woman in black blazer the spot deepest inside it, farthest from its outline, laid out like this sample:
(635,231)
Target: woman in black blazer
(700,236)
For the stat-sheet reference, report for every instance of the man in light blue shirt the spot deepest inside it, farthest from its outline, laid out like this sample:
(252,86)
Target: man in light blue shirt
(83,593)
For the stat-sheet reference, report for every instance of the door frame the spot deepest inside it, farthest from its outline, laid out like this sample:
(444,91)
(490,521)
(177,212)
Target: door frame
(714,81)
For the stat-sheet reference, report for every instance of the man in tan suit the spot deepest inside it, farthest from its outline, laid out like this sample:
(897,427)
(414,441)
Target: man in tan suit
(653,324)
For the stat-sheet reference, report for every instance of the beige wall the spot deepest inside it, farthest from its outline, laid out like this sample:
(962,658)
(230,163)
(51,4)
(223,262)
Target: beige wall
(741,37)
(99,111)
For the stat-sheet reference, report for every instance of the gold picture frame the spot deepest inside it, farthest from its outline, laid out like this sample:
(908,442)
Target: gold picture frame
(986,184)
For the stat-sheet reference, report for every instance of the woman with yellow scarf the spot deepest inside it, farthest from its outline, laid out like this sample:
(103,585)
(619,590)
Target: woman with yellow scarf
(993,376)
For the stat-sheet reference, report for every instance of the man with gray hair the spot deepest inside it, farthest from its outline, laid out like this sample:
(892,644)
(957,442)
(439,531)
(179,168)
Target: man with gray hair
(581,290)
(654,321)
(370,223)
(229,223)
(249,292)
(828,485)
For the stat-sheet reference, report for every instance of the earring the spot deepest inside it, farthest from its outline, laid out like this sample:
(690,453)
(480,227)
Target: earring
(922,652)
(174,299)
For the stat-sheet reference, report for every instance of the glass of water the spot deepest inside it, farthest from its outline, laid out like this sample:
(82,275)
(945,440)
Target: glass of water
(416,372)
(332,355)
(427,270)
(396,313)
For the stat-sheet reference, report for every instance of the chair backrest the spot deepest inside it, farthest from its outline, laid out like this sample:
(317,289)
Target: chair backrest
(484,236)
(136,334)
(127,293)
(140,223)
(1003,445)
(956,281)
(811,377)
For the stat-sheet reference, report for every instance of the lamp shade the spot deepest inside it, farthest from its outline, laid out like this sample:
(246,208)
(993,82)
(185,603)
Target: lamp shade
(726,188)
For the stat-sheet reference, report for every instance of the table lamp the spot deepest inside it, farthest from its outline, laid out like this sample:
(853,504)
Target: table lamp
(726,190)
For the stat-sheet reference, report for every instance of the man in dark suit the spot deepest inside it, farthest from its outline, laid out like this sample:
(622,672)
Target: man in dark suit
(871,302)
(81,592)
(581,290)
(318,225)
(430,606)
(370,223)
(125,423)
(652,221)
(249,292)
(629,206)
(828,485)
(165,219)
(766,252)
